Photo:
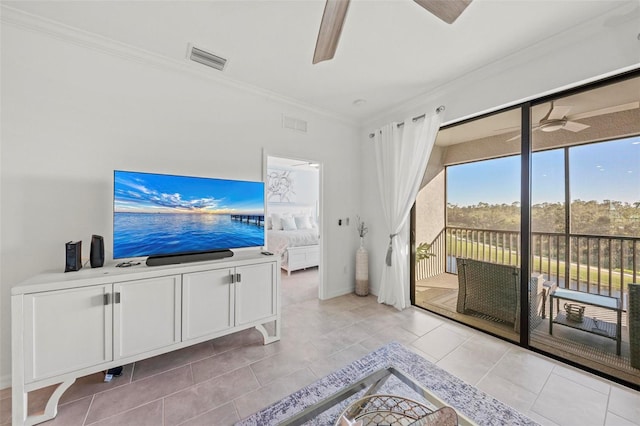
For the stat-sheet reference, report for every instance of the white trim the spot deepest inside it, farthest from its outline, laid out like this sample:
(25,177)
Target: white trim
(89,40)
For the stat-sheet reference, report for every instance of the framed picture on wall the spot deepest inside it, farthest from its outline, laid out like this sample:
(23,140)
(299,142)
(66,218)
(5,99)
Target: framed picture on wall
(280,186)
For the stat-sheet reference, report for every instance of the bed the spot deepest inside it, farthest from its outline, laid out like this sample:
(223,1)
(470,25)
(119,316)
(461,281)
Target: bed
(295,238)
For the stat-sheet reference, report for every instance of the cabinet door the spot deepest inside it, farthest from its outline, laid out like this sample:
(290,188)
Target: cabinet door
(67,330)
(256,292)
(146,315)
(207,303)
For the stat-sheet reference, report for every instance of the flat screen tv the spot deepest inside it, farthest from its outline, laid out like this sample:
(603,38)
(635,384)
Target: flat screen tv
(159,215)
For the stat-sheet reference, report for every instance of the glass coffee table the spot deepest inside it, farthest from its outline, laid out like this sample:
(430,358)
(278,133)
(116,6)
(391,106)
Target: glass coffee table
(392,370)
(369,386)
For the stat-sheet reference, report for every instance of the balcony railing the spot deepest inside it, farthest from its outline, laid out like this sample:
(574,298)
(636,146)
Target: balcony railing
(434,265)
(588,263)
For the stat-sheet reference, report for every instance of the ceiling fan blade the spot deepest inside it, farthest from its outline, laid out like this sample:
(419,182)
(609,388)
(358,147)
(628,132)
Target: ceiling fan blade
(506,129)
(533,129)
(330,28)
(558,112)
(447,10)
(572,126)
(608,110)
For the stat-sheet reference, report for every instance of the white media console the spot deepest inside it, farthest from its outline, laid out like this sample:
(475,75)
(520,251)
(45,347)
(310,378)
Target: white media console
(68,325)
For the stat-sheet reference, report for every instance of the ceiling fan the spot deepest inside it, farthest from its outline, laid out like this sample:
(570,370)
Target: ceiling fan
(335,12)
(557,118)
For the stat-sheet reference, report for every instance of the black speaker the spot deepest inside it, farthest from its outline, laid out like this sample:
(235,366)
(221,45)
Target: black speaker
(96,255)
(73,252)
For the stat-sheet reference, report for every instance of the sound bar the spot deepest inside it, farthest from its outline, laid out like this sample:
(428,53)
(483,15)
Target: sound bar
(173,259)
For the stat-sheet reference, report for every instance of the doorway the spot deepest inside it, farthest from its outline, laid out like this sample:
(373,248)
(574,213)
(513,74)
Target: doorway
(294,224)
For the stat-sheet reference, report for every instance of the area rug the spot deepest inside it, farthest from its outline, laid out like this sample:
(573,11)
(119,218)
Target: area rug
(467,400)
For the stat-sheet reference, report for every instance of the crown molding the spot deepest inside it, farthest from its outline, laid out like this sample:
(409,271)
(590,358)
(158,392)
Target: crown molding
(89,40)
(536,53)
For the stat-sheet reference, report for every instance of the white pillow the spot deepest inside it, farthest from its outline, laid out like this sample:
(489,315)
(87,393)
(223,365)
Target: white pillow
(276,221)
(302,222)
(289,223)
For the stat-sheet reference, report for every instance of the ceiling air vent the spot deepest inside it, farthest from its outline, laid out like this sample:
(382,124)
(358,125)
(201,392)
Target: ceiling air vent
(294,124)
(206,58)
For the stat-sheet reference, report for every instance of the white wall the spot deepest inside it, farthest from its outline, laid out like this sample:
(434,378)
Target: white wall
(586,52)
(72,114)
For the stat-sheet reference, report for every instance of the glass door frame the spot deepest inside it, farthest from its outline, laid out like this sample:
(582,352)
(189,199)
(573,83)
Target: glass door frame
(525,220)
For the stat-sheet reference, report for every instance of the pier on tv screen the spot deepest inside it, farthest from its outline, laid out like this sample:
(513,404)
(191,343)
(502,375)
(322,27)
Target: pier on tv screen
(158,214)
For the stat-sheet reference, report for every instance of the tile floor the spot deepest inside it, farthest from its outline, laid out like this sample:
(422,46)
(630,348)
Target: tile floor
(223,380)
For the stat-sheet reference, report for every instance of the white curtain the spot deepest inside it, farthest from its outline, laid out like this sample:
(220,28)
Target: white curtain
(402,153)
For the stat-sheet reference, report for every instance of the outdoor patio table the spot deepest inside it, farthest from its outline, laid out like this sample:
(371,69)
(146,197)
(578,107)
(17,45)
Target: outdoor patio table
(590,325)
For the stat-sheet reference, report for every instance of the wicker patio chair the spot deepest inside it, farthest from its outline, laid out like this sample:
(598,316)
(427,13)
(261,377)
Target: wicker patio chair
(489,289)
(634,324)
(493,290)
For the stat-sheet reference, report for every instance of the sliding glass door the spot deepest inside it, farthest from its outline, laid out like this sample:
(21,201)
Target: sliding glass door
(467,224)
(585,239)
(548,193)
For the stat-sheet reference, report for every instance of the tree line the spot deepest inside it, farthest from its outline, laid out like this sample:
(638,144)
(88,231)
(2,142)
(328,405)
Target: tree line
(607,218)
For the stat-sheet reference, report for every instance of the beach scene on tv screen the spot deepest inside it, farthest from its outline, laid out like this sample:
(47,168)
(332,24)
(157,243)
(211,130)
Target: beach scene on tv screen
(158,214)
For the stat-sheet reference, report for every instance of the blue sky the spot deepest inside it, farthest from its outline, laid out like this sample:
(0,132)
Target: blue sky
(599,171)
(154,193)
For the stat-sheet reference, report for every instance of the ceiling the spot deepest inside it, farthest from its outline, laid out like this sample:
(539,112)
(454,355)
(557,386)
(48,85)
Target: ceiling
(390,51)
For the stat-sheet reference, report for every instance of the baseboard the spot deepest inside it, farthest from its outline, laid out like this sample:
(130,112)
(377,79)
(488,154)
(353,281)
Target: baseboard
(340,292)
(5,381)
(349,290)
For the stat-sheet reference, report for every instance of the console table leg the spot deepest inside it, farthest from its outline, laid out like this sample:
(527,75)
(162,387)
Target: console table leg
(19,400)
(51,410)
(265,334)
